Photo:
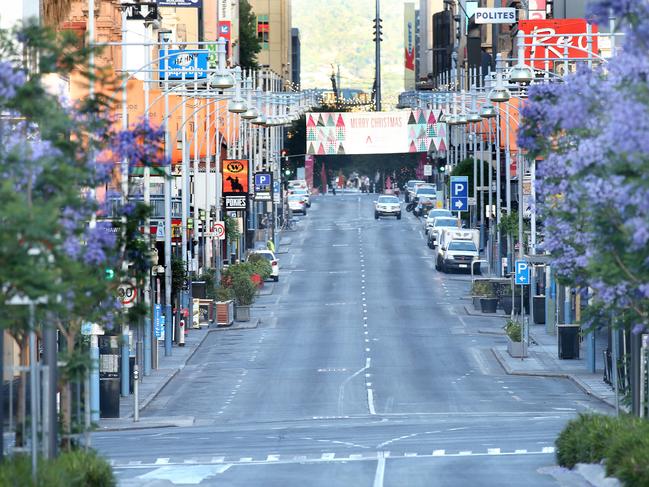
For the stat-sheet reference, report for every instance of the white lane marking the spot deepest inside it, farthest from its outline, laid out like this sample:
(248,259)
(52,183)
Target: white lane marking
(327,456)
(380,471)
(520,451)
(341,389)
(547,449)
(355,456)
(410,455)
(272,458)
(135,462)
(493,451)
(340,245)
(370,401)
(217,459)
(368,360)
(439,453)
(245,459)
(464,453)
(161,461)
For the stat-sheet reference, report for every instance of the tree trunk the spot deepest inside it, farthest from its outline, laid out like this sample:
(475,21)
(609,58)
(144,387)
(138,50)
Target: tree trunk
(66,400)
(21,410)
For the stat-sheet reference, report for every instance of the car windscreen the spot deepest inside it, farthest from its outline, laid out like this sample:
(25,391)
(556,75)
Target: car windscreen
(388,199)
(295,197)
(412,184)
(462,246)
(426,191)
(439,214)
(446,222)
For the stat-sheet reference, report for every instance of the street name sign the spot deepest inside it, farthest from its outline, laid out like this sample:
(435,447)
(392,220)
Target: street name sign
(504,15)
(459,193)
(522,272)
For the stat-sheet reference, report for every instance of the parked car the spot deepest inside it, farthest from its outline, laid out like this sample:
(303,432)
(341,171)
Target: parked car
(410,188)
(457,250)
(297,204)
(387,205)
(427,191)
(438,224)
(297,183)
(270,257)
(434,213)
(305,193)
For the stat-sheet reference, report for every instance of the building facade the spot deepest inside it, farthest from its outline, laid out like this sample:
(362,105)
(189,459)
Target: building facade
(274,33)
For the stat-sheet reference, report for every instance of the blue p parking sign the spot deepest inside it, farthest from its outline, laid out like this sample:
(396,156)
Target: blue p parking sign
(522,272)
(459,193)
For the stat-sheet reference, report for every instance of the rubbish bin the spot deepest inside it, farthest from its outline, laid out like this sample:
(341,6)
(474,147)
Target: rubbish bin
(538,307)
(109,367)
(568,337)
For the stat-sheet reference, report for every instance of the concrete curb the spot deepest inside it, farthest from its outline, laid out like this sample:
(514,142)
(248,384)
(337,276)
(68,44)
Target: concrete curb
(484,315)
(254,323)
(549,373)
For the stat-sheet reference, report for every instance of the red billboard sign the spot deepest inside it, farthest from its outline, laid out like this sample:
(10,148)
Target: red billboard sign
(235,177)
(552,37)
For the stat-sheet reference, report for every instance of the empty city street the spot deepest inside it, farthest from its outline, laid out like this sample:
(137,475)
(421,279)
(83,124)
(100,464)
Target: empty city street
(364,370)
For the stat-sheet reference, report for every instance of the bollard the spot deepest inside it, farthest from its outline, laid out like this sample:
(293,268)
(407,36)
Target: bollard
(181,333)
(136,393)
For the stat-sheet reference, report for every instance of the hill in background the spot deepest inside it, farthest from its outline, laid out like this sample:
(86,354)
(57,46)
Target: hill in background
(340,32)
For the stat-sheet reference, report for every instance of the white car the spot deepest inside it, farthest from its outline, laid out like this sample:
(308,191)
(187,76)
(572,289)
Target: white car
(439,223)
(297,204)
(306,195)
(387,205)
(434,213)
(297,183)
(270,257)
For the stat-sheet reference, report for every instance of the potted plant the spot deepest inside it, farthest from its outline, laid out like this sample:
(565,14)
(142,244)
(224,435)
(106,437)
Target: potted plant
(224,306)
(514,333)
(480,289)
(244,294)
(489,302)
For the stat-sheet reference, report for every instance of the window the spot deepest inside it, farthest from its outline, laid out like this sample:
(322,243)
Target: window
(263,31)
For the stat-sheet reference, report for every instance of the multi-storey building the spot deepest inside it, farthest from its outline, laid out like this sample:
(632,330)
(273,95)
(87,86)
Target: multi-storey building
(274,33)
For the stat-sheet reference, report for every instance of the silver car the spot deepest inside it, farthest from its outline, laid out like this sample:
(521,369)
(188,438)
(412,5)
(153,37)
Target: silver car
(434,213)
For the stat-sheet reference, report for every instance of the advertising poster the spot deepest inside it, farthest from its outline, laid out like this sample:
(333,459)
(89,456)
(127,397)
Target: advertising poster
(235,177)
(409,28)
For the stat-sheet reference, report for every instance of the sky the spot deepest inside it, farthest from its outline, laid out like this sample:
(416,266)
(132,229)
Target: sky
(340,32)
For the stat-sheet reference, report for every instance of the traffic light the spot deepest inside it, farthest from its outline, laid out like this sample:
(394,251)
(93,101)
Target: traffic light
(378,30)
(109,274)
(441,168)
(201,215)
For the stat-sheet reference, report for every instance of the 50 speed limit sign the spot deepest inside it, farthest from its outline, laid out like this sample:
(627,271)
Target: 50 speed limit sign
(127,293)
(219,230)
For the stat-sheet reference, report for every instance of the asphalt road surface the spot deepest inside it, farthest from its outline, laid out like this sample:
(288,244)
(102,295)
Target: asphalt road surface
(365,371)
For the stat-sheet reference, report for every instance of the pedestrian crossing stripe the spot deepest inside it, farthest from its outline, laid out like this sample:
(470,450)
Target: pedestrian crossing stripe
(325,457)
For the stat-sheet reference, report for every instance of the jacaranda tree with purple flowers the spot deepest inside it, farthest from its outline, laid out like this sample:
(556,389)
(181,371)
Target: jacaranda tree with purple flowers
(57,238)
(592,132)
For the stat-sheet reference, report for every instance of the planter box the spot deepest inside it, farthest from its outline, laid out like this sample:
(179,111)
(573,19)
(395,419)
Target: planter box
(488,305)
(242,313)
(476,302)
(224,313)
(515,349)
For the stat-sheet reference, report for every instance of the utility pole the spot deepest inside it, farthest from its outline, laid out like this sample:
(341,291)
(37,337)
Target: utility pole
(377,61)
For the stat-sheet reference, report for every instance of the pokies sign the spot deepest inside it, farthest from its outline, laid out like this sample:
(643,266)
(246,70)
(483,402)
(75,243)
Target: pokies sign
(235,177)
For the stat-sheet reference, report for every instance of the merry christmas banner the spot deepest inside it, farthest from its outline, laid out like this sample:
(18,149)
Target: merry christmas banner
(401,131)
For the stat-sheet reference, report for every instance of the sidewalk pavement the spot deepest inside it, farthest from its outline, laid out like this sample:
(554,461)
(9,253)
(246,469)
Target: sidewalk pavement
(543,359)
